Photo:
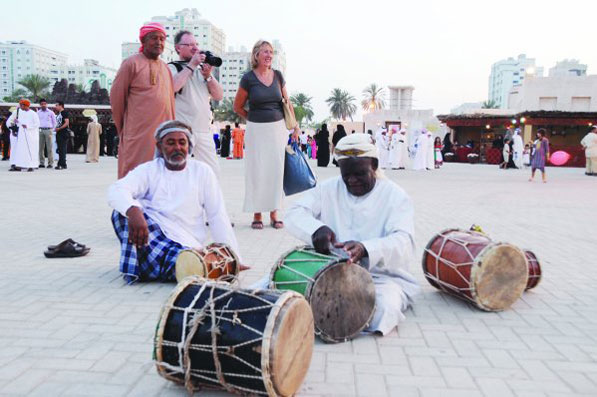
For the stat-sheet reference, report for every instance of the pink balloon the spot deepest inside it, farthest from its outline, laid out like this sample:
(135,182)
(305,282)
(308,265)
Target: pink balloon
(559,158)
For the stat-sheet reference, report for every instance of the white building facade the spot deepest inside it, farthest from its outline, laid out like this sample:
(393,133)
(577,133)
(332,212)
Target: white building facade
(507,73)
(279,62)
(208,36)
(19,59)
(568,67)
(234,65)
(564,93)
(129,48)
(86,74)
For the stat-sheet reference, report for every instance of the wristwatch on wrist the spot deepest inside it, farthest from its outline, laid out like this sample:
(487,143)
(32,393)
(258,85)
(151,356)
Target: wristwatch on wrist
(210,78)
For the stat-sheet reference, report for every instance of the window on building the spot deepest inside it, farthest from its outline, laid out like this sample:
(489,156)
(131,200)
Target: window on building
(581,103)
(548,102)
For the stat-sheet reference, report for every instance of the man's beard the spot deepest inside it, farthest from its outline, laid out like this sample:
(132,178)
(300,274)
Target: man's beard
(175,163)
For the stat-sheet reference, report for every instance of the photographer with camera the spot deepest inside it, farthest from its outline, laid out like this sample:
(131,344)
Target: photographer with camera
(194,86)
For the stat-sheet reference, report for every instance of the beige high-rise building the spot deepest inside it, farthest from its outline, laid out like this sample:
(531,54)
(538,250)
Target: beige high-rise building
(234,65)
(279,57)
(208,36)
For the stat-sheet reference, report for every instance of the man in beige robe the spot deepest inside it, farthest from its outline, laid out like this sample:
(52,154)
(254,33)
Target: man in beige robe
(94,130)
(142,97)
(589,142)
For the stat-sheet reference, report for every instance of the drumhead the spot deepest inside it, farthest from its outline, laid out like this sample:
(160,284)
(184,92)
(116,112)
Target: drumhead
(295,269)
(498,276)
(189,263)
(287,345)
(342,298)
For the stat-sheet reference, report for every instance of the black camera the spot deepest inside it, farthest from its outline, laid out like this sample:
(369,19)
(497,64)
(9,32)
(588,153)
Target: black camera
(211,59)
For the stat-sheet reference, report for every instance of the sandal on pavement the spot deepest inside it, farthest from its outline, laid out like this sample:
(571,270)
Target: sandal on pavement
(277,224)
(258,225)
(68,240)
(67,250)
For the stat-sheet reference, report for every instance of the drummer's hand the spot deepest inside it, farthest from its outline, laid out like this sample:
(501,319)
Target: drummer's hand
(322,239)
(356,250)
(138,231)
(295,134)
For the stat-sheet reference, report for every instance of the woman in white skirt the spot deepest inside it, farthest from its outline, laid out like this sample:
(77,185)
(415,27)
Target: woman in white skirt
(266,135)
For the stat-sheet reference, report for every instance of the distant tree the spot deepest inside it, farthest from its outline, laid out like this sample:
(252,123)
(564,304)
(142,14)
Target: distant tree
(36,85)
(341,104)
(225,112)
(302,107)
(16,95)
(373,98)
(490,105)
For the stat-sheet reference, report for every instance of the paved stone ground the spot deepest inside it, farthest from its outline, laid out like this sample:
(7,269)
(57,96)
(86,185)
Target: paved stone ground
(72,327)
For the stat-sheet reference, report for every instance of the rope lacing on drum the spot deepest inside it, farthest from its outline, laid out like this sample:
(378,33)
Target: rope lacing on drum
(444,286)
(185,346)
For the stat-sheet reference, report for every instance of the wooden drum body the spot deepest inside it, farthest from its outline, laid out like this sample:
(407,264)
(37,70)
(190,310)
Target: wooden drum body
(534,269)
(341,294)
(248,342)
(215,261)
(471,266)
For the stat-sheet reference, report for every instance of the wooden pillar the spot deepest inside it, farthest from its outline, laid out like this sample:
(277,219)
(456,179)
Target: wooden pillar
(527,133)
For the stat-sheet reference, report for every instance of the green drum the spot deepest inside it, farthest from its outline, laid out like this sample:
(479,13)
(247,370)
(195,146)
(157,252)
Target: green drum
(341,294)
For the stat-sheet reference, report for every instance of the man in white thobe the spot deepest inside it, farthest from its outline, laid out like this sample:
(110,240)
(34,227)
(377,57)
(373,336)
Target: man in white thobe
(430,152)
(420,148)
(394,156)
(162,206)
(24,147)
(368,216)
(382,142)
(517,148)
(589,142)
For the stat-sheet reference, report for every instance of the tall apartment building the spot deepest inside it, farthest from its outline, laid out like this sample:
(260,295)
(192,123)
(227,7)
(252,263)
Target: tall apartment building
(234,65)
(208,36)
(279,57)
(568,67)
(507,73)
(19,59)
(129,48)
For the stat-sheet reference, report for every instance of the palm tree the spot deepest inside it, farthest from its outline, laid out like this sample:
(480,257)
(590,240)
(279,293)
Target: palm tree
(36,84)
(491,104)
(341,104)
(373,98)
(16,95)
(225,112)
(302,107)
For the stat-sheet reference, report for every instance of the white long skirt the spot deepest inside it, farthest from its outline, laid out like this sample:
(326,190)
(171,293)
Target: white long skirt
(264,166)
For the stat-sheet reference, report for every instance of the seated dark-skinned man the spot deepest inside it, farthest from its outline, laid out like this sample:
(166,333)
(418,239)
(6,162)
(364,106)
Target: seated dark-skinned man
(162,206)
(369,217)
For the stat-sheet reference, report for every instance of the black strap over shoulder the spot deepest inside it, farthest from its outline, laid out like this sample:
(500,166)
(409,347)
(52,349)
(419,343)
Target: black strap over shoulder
(179,66)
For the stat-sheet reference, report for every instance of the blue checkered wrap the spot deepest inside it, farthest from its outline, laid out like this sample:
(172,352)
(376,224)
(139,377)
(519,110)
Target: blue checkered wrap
(156,261)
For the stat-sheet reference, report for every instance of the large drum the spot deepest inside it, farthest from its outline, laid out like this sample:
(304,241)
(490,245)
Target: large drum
(215,261)
(249,342)
(471,266)
(534,269)
(341,295)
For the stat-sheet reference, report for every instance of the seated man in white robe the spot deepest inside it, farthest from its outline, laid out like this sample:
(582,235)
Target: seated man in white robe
(368,216)
(162,206)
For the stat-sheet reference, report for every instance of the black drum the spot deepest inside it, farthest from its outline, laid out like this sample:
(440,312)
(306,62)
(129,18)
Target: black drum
(250,342)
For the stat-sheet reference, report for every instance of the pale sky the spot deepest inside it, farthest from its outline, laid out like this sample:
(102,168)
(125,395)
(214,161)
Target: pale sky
(443,48)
